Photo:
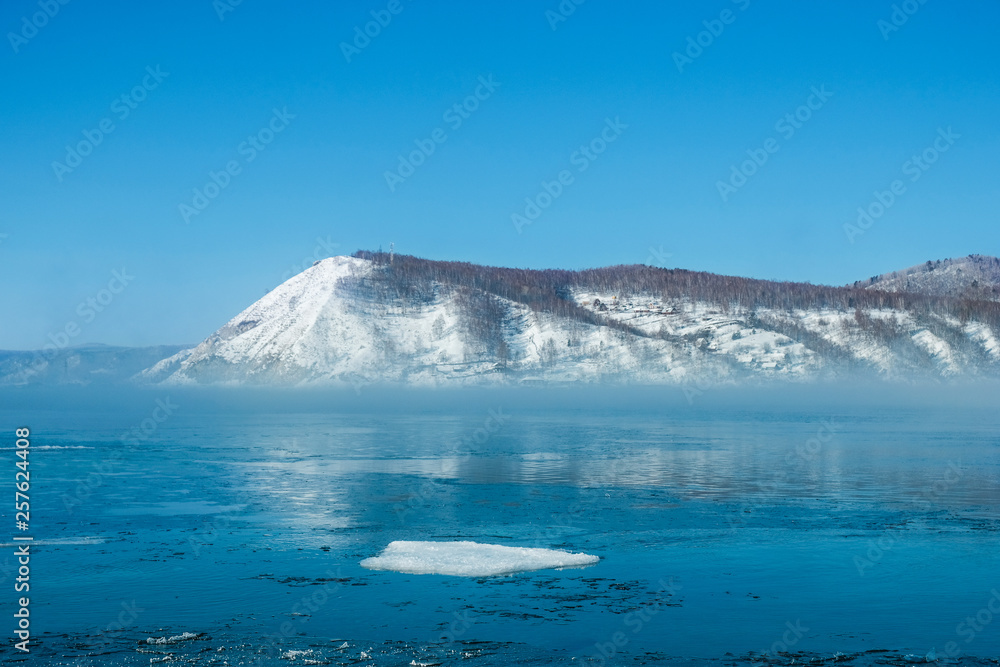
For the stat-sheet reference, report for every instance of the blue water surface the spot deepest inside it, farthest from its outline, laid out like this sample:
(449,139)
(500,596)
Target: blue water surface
(849,533)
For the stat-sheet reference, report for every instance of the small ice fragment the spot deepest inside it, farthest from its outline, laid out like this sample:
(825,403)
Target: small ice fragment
(184,636)
(295,655)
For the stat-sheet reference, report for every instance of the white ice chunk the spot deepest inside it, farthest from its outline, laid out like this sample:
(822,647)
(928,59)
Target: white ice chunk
(471,559)
(183,637)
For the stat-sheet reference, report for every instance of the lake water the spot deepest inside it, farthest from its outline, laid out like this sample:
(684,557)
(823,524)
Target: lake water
(848,533)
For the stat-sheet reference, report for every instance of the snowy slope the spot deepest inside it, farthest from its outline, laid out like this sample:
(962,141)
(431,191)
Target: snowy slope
(311,329)
(975,276)
(329,325)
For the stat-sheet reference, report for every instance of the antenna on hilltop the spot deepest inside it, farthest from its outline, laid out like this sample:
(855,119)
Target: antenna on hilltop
(391,246)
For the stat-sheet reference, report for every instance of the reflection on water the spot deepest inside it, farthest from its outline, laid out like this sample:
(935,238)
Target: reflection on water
(874,529)
(803,458)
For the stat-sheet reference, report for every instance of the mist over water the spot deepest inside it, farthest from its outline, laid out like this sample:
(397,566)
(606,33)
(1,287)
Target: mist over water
(363,397)
(781,523)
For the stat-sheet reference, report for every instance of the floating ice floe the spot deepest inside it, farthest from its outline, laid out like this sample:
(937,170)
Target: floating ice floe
(471,559)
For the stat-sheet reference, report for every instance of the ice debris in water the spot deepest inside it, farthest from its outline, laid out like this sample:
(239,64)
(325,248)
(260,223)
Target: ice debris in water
(184,636)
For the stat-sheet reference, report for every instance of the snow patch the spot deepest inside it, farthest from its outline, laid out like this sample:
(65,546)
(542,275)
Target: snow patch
(982,334)
(937,349)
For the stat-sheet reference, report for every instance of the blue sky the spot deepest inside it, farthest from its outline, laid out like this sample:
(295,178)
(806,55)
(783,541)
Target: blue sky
(277,72)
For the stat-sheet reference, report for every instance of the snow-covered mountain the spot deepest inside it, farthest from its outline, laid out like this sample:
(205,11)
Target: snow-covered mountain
(975,277)
(372,318)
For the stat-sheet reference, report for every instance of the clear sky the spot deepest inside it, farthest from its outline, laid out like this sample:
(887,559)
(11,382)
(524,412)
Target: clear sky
(329,121)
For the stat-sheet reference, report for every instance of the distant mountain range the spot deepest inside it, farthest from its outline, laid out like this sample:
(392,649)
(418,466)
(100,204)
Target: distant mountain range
(376,318)
(81,365)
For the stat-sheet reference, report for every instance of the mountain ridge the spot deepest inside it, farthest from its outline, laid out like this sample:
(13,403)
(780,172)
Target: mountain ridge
(375,317)
(378,318)
(82,365)
(973,277)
